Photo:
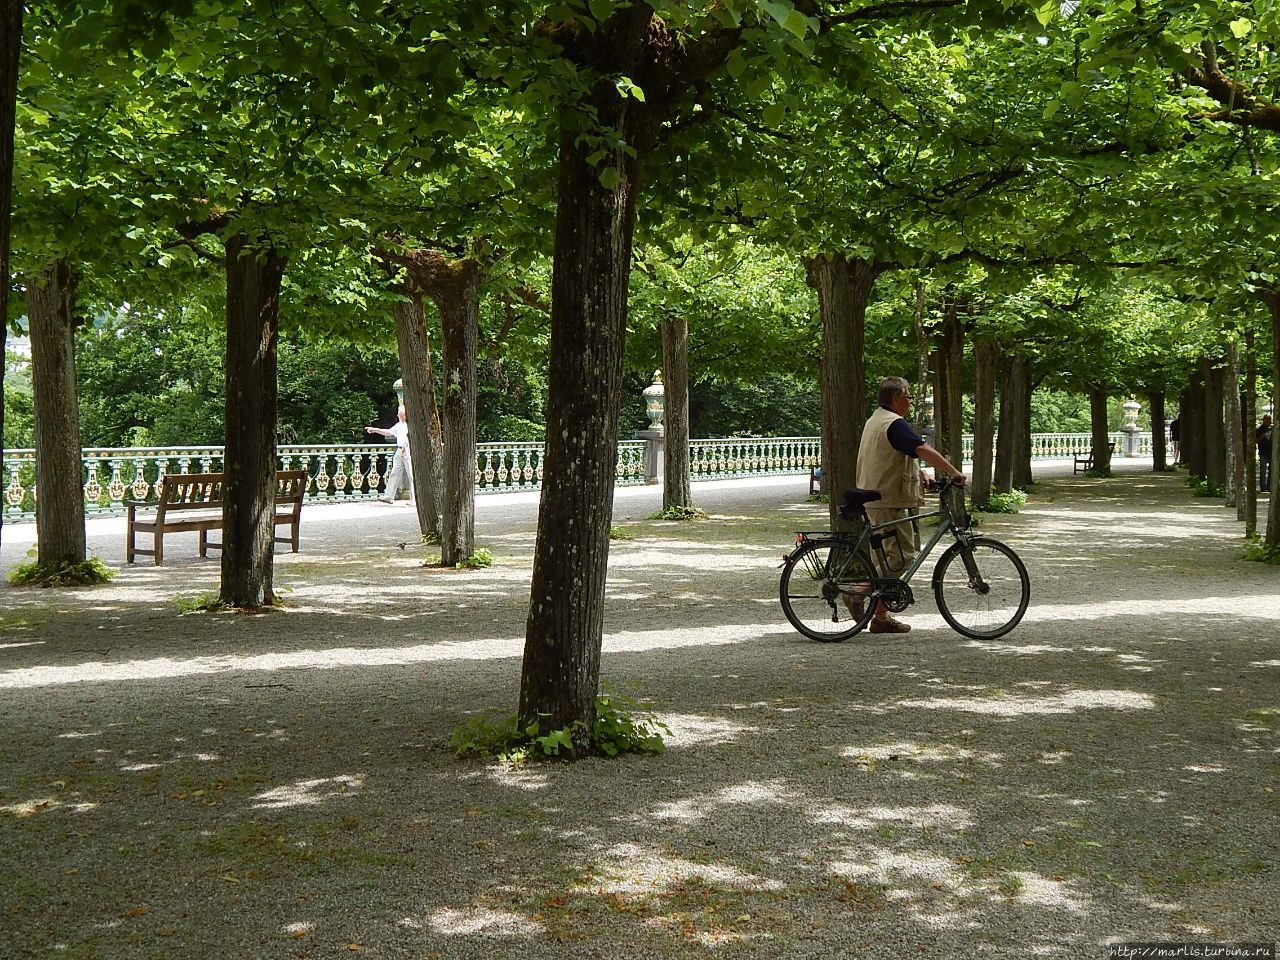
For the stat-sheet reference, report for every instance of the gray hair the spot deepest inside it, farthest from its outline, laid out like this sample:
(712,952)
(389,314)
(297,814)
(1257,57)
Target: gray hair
(891,387)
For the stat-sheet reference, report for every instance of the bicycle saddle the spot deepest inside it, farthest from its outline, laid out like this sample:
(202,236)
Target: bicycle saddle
(855,499)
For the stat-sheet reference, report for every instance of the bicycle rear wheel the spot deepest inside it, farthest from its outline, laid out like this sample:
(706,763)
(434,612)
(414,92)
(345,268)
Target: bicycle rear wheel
(822,590)
(982,588)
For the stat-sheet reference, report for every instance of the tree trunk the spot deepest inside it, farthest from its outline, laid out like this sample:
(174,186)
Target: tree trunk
(1159,452)
(1215,436)
(10,48)
(593,241)
(1234,467)
(922,346)
(844,288)
(1272,300)
(1022,478)
(1013,442)
(1191,410)
(986,358)
(675,376)
(459,311)
(425,445)
(949,401)
(59,472)
(1249,415)
(1099,428)
(254,274)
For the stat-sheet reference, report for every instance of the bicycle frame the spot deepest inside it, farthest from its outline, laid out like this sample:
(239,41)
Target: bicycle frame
(862,541)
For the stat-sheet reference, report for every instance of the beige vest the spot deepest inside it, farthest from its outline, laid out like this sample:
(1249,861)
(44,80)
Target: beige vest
(880,467)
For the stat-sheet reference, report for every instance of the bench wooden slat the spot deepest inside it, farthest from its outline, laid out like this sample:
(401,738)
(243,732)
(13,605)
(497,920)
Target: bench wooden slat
(193,492)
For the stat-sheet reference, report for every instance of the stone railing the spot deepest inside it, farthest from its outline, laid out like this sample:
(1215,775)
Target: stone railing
(353,472)
(762,456)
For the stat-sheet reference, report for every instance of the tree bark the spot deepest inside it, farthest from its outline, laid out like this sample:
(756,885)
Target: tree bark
(1015,425)
(254,273)
(453,284)
(421,414)
(922,342)
(1272,299)
(1159,451)
(59,471)
(676,491)
(844,288)
(949,402)
(595,223)
(592,267)
(1191,410)
(1022,477)
(459,323)
(1249,415)
(10,48)
(1099,428)
(986,359)
(1215,440)
(1234,467)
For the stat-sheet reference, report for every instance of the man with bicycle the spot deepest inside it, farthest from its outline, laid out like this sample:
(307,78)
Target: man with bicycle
(888,462)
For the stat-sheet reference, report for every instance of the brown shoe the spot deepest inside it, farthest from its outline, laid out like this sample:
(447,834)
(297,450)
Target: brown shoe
(854,605)
(890,625)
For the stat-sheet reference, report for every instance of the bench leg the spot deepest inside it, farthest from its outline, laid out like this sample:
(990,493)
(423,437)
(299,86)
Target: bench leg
(295,536)
(159,547)
(204,542)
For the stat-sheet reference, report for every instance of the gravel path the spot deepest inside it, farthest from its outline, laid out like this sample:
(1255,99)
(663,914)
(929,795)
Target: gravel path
(235,786)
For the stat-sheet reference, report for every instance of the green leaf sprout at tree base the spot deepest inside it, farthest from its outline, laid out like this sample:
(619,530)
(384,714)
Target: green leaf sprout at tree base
(617,729)
(680,513)
(62,574)
(1004,502)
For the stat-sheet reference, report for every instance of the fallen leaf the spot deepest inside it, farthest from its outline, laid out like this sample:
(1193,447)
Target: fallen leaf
(136,912)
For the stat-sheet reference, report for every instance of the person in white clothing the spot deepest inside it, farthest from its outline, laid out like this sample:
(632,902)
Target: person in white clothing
(401,475)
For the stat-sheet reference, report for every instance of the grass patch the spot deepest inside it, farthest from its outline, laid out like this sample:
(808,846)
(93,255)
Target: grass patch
(483,557)
(1257,550)
(1201,487)
(1003,502)
(1098,473)
(617,730)
(620,533)
(200,603)
(62,574)
(680,513)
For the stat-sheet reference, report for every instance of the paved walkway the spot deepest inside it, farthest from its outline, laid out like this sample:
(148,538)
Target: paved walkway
(333,525)
(279,785)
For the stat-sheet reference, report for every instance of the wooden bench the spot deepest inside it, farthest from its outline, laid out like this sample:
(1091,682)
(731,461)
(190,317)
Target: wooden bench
(1084,459)
(193,501)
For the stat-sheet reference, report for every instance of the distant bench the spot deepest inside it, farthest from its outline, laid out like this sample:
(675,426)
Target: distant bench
(815,479)
(193,501)
(1084,459)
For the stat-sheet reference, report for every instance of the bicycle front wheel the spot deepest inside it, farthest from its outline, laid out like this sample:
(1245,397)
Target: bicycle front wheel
(982,588)
(823,590)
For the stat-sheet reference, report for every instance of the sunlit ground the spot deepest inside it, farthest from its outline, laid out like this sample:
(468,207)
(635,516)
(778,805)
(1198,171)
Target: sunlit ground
(178,783)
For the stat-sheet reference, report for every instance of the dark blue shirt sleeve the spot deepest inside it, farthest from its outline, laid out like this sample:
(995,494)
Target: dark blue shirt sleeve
(903,439)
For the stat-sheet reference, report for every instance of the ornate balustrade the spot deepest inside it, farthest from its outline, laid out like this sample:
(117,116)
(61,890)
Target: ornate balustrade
(757,456)
(352,472)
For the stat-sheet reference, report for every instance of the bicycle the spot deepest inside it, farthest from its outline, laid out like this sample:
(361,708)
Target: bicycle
(981,586)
